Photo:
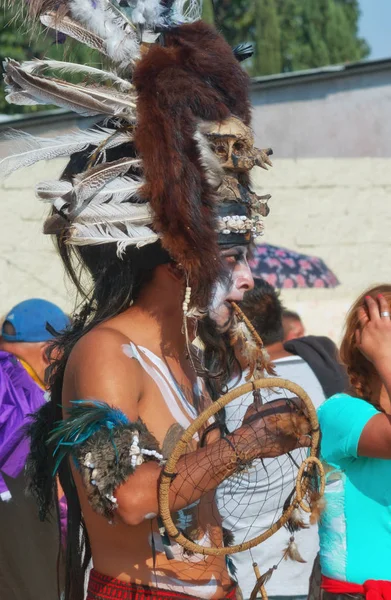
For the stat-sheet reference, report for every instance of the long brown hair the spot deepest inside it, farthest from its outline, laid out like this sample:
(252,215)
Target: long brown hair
(360,370)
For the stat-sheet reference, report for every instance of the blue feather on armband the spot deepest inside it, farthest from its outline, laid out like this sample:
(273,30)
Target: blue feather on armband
(85,418)
(106,448)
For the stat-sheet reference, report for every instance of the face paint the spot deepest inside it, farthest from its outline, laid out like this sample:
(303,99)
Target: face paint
(236,280)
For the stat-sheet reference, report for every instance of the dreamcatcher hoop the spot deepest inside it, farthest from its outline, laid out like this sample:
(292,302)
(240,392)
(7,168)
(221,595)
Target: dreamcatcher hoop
(169,470)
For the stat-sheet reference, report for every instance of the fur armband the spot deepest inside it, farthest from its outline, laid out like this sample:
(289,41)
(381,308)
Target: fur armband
(106,448)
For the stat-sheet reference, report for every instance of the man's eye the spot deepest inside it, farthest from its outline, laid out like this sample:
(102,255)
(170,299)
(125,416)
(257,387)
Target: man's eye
(232,260)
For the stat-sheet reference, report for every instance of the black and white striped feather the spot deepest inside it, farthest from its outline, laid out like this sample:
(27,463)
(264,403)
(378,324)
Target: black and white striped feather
(118,190)
(86,100)
(38,67)
(86,185)
(75,30)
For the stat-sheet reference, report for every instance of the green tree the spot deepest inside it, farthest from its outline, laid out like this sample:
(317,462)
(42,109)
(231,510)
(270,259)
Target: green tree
(267,57)
(312,33)
(208,12)
(17,44)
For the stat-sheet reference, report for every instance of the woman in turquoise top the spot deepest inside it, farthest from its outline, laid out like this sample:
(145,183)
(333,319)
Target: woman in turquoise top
(355,527)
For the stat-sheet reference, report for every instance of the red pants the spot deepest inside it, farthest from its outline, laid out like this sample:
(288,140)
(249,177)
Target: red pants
(102,587)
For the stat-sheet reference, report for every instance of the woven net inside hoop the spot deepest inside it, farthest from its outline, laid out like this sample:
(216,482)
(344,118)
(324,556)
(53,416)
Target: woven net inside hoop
(185,539)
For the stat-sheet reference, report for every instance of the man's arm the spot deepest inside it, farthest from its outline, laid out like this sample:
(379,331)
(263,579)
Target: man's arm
(98,369)
(277,429)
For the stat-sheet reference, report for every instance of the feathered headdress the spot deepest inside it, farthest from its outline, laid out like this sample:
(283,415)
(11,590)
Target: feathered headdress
(177,95)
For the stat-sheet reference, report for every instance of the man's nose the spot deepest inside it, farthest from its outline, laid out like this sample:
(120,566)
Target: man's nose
(245,280)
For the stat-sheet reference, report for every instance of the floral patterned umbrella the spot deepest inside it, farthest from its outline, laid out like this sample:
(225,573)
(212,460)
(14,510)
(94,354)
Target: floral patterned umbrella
(284,268)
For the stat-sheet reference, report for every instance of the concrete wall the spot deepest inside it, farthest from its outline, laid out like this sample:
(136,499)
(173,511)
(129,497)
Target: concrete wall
(342,113)
(29,266)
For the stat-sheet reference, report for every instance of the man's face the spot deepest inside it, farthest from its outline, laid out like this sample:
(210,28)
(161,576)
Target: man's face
(235,281)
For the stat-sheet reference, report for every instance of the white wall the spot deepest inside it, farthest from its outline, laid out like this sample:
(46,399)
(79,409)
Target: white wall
(339,210)
(29,266)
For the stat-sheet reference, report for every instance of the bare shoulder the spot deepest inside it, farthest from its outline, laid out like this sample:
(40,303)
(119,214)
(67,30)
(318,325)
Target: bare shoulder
(99,368)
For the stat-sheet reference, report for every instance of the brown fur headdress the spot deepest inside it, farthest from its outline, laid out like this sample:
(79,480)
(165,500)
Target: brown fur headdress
(179,97)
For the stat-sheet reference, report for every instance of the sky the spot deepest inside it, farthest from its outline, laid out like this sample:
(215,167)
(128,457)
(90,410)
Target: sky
(375,26)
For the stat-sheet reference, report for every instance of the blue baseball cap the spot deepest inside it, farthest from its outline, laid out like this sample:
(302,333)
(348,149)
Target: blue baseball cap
(34,320)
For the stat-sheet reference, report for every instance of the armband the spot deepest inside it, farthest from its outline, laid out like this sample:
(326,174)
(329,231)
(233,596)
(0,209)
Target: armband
(106,448)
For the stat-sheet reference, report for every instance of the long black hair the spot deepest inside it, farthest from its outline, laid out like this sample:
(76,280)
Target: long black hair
(110,287)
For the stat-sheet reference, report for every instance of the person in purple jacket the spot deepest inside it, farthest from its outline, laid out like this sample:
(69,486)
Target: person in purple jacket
(28,547)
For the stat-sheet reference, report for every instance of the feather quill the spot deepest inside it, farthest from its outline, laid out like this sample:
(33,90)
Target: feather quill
(37,148)
(84,100)
(37,67)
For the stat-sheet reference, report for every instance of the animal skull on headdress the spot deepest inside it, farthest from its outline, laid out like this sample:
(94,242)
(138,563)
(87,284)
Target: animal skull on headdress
(233,144)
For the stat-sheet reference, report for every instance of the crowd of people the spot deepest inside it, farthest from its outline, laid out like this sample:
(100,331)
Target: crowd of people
(154,218)
(351,390)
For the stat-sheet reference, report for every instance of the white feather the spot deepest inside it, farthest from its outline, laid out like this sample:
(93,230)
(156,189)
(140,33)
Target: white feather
(120,38)
(37,149)
(147,13)
(84,235)
(115,212)
(50,190)
(39,66)
(118,190)
(185,11)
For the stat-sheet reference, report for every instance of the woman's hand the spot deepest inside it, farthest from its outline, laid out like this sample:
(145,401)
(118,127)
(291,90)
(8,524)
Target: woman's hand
(373,337)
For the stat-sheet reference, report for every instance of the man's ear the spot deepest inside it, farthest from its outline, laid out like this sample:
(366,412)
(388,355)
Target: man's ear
(175,271)
(44,351)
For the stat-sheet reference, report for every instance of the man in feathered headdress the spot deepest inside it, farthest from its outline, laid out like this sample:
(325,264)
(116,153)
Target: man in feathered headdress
(155,205)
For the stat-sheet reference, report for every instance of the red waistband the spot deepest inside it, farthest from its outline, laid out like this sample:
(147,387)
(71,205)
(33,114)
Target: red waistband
(372,589)
(103,587)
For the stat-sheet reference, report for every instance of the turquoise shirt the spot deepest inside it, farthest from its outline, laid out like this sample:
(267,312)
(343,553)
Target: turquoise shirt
(355,527)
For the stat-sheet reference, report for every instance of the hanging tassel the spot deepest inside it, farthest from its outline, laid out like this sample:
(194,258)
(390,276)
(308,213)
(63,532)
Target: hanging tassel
(292,551)
(252,347)
(232,568)
(317,503)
